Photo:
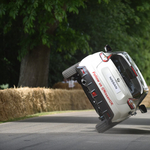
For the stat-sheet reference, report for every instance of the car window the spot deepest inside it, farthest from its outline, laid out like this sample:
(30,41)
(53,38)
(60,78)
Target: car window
(137,70)
(127,74)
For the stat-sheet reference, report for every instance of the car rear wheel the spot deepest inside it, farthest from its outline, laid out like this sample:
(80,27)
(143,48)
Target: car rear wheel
(70,72)
(104,125)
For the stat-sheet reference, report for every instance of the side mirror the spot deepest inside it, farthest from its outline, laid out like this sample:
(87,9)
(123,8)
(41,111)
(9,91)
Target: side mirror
(143,109)
(107,48)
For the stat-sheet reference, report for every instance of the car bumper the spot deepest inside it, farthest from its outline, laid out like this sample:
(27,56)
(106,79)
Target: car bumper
(94,94)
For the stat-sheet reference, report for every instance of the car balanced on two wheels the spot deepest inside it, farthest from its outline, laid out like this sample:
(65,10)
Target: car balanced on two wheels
(113,84)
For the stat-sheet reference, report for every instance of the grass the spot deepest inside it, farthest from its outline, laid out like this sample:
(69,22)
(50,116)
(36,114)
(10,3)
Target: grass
(42,114)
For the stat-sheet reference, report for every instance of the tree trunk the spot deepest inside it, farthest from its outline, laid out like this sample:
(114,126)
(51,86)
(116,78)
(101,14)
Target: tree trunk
(34,69)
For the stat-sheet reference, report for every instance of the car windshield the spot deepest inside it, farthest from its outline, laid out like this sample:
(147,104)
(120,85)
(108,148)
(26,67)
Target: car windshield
(128,75)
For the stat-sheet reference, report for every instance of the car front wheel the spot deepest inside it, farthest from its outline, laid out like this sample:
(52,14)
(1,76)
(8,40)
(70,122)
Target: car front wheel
(70,72)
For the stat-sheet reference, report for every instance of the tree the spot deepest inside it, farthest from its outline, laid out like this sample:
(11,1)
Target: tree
(9,64)
(36,22)
(123,24)
(62,30)
(140,33)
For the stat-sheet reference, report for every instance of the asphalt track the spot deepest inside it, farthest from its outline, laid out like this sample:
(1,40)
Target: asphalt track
(75,131)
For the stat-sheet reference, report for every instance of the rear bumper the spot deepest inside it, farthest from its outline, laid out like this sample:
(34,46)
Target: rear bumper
(94,94)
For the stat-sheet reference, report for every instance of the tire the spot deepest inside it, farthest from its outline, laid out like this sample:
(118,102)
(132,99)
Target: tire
(104,125)
(70,72)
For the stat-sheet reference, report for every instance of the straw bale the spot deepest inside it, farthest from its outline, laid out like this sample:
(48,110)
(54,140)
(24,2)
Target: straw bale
(49,99)
(77,86)
(10,100)
(33,99)
(146,101)
(61,85)
(3,101)
(27,100)
(20,102)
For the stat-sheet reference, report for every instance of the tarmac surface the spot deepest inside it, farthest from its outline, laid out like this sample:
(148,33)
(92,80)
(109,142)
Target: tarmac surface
(75,131)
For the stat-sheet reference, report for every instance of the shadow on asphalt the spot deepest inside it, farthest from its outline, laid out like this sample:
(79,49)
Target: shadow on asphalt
(132,126)
(127,131)
(85,120)
(59,119)
(130,123)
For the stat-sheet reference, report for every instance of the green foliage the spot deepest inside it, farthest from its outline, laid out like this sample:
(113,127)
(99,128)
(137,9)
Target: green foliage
(9,65)
(4,86)
(36,20)
(27,24)
(124,25)
(70,40)
(69,47)
(140,33)
(72,29)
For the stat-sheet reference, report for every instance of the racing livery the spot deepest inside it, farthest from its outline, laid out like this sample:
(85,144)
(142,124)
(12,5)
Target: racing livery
(113,84)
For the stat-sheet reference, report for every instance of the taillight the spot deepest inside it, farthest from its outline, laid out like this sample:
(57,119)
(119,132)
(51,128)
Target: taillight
(94,94)
(82,71)
(109,56)
(134,71)
(131,104)
(104,58)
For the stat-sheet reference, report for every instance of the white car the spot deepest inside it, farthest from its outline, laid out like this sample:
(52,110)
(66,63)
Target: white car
(113,84)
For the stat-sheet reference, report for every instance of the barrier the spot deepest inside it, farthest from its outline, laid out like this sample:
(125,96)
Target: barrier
(20,102)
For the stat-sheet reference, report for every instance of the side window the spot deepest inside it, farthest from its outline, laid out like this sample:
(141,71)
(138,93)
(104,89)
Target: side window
(127,74)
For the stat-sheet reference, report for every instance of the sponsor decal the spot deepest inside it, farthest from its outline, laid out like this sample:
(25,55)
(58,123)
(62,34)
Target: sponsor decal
(102,88)
(113,83)
(95,75)
(110,101)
